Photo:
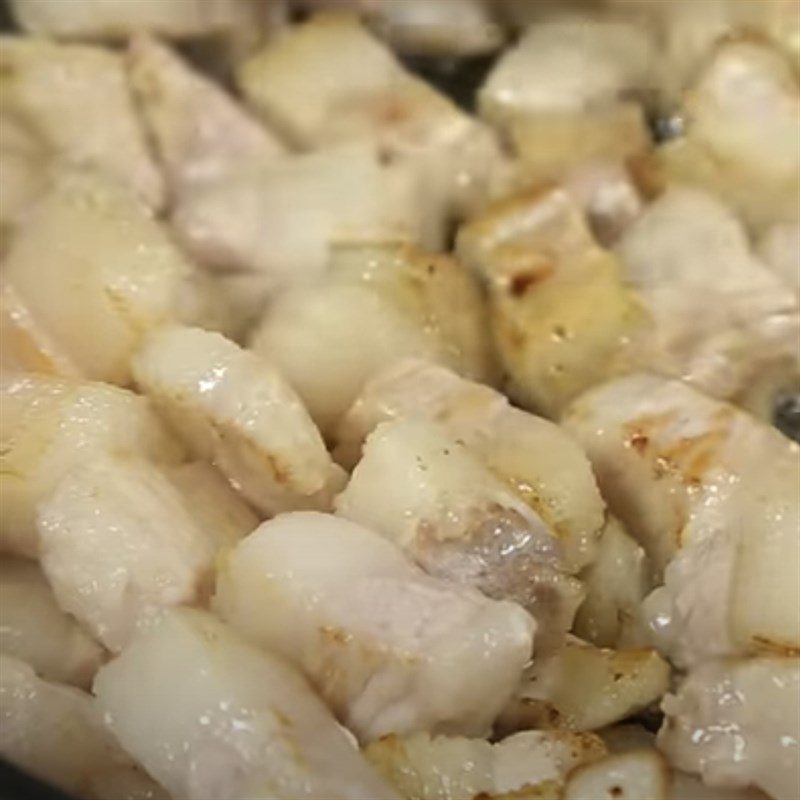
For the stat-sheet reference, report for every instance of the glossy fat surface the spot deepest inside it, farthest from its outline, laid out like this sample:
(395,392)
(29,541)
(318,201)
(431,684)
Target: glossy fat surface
(97,272)
(433,289)
(242,202)
(585,688)
(720,317)
(426,491)
(455,768)
(200,131)
(616,582)
(718,511)
(561,315)
(330,80)
(413,302)
(316,337)
(278,218)
(418,27)
(738,723)
(56,732)
(76,98)
(25,344)
(118,544)
(232,721)
(217,507)
(627,776)
(567,64)
(237,411)
(34,629)
(414,387)
(745,109)
(533,456)
(51,425)
(711,494)
(389,648)
(742,122)
(684,786)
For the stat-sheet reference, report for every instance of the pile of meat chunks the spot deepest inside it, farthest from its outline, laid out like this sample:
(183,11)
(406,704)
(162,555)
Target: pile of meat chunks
(355,445)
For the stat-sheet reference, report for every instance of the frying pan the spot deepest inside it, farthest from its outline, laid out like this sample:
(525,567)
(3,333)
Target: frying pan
(460,80)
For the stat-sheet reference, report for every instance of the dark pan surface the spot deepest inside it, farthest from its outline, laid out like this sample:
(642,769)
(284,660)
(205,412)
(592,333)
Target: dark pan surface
(16,785)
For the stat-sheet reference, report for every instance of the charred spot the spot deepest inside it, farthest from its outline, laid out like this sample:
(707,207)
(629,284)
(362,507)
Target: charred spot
(693,456)
(390,740)
(615,791)
(394,111)
(335,635)
(647,175)
(551,717)
(638,441)
(281,472)
(773,646)
(523,281)
(698,466)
